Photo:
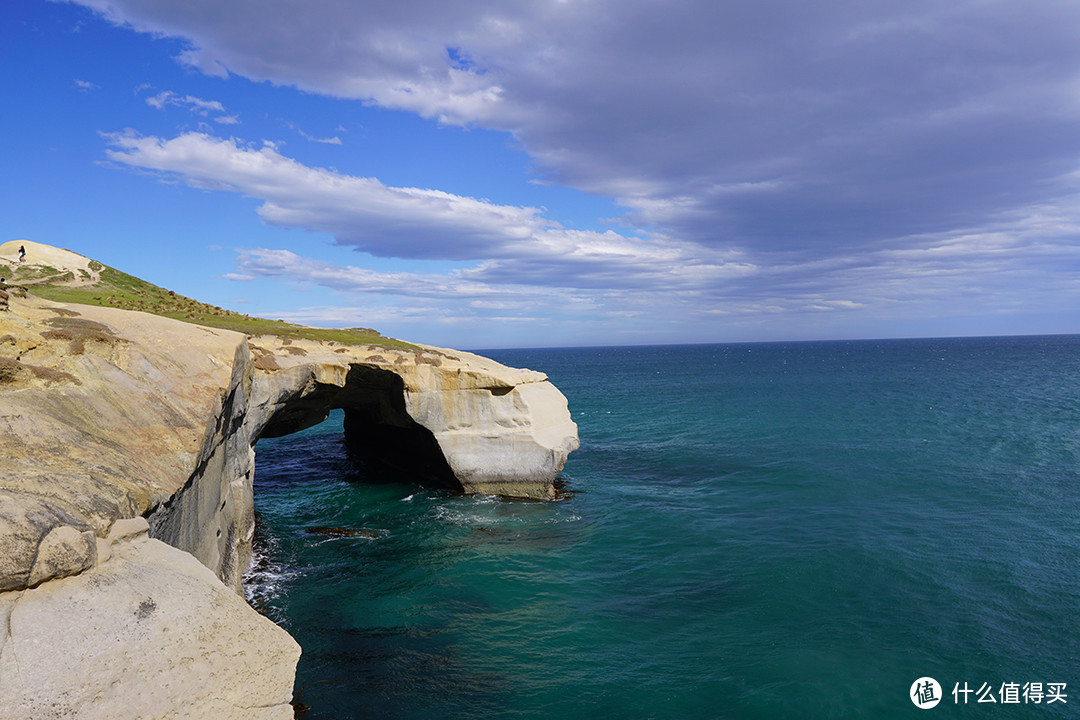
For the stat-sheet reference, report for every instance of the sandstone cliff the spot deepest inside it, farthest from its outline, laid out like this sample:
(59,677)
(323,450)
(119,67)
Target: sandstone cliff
(110,416)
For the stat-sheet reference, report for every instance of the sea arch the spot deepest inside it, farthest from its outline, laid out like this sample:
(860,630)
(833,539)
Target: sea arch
(378,426)
(457,421)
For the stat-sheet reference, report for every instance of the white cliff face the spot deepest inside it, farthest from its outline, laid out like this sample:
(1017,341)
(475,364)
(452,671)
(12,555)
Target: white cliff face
(102,416)
(503,433)
(108,415)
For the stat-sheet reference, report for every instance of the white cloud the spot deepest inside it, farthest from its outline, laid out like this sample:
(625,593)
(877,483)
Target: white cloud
(515,244)
(197,105)
(333,140)
(85,85)
(359,211)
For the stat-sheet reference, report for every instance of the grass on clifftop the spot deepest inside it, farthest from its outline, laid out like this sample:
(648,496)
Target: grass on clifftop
(127,292)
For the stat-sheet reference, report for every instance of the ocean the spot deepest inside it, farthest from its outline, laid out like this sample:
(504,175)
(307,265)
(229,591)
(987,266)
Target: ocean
(768,530)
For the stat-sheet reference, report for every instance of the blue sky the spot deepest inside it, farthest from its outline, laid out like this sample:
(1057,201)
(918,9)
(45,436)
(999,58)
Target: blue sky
(474,173)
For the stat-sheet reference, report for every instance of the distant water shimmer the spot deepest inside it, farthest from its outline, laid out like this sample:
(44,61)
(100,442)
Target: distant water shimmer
(794,530)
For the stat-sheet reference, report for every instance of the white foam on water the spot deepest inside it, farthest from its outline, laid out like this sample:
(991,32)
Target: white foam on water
(265,580)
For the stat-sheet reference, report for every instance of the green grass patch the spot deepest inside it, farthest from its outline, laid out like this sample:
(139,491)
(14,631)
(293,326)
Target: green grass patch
(127,292)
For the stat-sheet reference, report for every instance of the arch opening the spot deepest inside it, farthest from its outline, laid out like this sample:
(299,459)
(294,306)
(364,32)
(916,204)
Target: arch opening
(380,435)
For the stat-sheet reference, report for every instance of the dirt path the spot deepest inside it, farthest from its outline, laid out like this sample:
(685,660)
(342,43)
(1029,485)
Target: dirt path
(83,270)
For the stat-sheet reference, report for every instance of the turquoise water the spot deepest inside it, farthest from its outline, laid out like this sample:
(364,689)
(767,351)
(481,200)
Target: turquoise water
(759,531)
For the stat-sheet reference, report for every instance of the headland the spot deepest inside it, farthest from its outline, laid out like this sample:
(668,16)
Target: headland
(126,469)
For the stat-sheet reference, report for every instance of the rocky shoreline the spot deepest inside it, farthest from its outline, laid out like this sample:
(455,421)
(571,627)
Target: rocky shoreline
(126,510)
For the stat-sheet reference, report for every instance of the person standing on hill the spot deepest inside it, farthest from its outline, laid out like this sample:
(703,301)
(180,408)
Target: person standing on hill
(22,253)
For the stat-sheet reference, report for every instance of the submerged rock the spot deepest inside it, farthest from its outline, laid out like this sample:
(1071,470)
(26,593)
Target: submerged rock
(343,532)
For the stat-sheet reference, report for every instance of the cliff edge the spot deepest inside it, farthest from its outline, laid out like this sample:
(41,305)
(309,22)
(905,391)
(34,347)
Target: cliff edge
(126,454)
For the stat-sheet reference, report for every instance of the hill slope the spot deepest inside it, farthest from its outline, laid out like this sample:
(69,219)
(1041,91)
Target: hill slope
(64,276)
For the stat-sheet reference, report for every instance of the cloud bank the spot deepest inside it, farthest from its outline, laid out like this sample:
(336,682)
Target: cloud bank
(515,243)
(778,123)
(780,155)
(521,258)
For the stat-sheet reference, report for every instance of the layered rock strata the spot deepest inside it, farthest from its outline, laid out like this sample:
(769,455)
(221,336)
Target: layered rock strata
(109,415)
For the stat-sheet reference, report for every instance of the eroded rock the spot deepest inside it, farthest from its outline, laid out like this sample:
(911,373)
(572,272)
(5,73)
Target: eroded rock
(123,416)
(63,551)
(151,633)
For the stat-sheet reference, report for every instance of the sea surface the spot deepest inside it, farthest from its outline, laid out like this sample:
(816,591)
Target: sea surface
(780,530)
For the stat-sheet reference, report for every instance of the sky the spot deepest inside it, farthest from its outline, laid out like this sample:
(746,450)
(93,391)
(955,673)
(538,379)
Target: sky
(483,174)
